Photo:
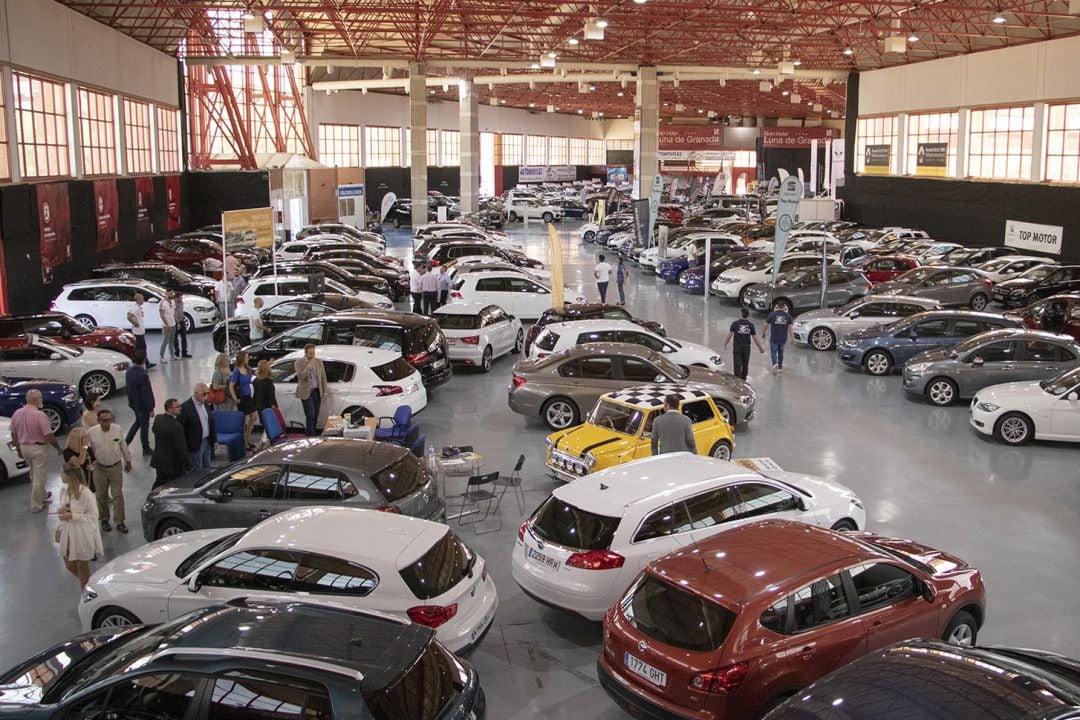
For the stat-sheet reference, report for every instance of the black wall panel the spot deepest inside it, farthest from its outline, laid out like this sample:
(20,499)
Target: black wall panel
(382,180)
(510,176)
(446,180)
(208,193)
(621,157)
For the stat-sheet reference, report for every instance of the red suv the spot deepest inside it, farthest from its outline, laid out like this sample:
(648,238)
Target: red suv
(188,253)
(66,330)
(884,269)
(731,626)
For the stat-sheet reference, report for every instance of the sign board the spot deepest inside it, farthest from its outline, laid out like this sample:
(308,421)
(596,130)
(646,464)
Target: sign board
(932,159)
(641,222)
(759,464)
(352,205)
(787,210)
(690,137)
(1029,236)
(703,157)
(838,156)
(776,137)
(547,173)
(617,175)
(244,228)
(876,159)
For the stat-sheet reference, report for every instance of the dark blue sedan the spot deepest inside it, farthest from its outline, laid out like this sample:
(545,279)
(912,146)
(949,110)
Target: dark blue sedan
(60,401)
(692,280)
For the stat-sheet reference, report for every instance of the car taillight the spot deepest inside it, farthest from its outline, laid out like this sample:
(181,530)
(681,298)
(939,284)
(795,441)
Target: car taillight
(239,301)
(432,616)
(518,381)
(521,530)
(722,681)
(471,340)
(456,295)
(988,282)
(418,358)
(435,263)
(52,305)
(384,390)
(596,560)
(392,509)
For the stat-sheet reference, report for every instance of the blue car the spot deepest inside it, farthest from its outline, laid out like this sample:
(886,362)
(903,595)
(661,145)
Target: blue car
(692,280)
(883,348)
(61,402)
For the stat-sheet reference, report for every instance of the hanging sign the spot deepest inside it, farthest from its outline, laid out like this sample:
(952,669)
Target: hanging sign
(54,223)
(106,205)
(244,228)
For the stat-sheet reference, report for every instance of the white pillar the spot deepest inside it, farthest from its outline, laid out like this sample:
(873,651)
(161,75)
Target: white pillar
(418,152)
(963,121)
(1038,144)
(469,130)
(646,128)
(901,144)
(14,161)
(74,131)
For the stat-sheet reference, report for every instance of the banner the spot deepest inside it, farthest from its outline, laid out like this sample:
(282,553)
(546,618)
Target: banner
(248,227)
(838,155)
(719,186)
(617,175)
(555,254)
(172,201)
(641,222)
(547,173)
(876,159)
(654,203)
(386,206)
(693,157)
(1029,236)
(932,159)
(777,137)
(787,210)
(144,201)
(690,137)
(106,210)
(54,221)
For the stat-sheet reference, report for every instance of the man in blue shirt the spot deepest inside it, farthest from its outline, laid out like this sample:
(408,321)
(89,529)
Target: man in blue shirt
(781,325)
(742,331)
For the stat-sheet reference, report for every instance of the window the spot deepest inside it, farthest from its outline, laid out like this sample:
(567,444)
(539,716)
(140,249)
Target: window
(712,508)
(636,370)
(999,143)
(257,481)
(557,522)
(875,131)
(313,484)
(932,328)
(620,144)
(558,152)
(513,150)
(137,143)
(524,286)
(644,340)
(1039,351)
(698,411)
(579,151)
(535,150)
(296,340)
(451,148)
(145,696)
(493,285)
(443,566)
(339,372)
(818,604)
(760,499)
(168,132)
(598,336)
(931,128)
(382,146)
(5,162)
(256,696)
(260,570)
(597,156)
(881,584)
(97,132)
(667,520)
(41,131)
(676,617)
(596,368)
(339,145)
(432,146)
(332,576)
(1062,143)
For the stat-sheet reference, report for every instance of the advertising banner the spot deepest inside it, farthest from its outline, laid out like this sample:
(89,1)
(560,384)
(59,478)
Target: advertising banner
(386,206)
(172,201)
(144,200)
(787,211)
(777,137)
(617,175)
(547,173)
(932,159)
(54,221)
(1029,236)
(641,222)
(691,137)
(838,152)
(695,157)
(106,211)
(719,186)
(245,228)
(876,159)
(555,254)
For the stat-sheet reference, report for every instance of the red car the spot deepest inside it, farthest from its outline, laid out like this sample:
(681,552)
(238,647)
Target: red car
(733,625)
(1057,313)
(188,253)
(885,268)
(66,330)
(674,213)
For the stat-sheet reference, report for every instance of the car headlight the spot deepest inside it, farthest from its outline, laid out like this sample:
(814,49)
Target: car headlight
(987,406)
(204,308)
(801,323)
(726,280)
(89,594)
(121,366)
(11,446)
(548,444)
(918,368)
(857,502)
(71,397)
(745,399)
(590,460)
(1017,292)
(385,306)
(848,343)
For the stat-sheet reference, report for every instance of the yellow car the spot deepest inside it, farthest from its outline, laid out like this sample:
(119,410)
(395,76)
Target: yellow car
(619,428)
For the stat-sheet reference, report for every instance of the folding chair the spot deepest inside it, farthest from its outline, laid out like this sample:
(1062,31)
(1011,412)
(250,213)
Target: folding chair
(417,448)
(514,481)
(480,489)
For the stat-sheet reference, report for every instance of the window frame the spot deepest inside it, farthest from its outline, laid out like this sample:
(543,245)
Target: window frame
(46,115)
(876,130)
(168,139)
(1055,133)
(926,127)
(512,149)
(341,145)
(97,132)
(983,127)
(382,146)
(138,137)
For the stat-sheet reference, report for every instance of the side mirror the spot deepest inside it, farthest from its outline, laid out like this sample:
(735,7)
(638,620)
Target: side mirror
(1072,395)
(854,314)
(193,583)
(214,495)
(55,356)
(977,361)
(913,334)
(927,591)
(660,378)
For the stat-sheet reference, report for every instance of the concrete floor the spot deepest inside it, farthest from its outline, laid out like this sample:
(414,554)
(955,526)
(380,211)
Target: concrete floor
(922,471)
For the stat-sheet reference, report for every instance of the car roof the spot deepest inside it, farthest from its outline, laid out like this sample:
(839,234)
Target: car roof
(266,279)
(652,396)
(398,317)
(606,348)
(347,453)
(1026,334)
(957,313)
(605,323)
(364,356)
(465,308)
(914,299)
(139,282)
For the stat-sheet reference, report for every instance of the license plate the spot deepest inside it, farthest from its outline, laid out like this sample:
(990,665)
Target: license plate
(484,622)
(545,560)
(439,364)
(645,670)
(451,341)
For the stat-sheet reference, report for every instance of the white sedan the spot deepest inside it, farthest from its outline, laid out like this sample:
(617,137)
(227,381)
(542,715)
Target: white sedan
(11,465)
(284,287)
(413,569)
(1017,413)
(820,329)
(89,369)
(565,335)
(1010,266)
(518,294)
(477,333)
(529,209)
(587,542)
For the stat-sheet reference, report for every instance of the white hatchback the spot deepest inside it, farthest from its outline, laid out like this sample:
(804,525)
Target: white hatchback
(365,559)
(285,287)
(477,333)
(565,335)
(107,301)
(587,542)
(733,282)
(89,369)
(518,294)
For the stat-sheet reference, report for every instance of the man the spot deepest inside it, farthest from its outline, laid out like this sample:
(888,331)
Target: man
(223,291)
(671,432)
(743,331)
(110,451)
(621,274)
(781,326)
(310,386)
(602,273)
(429,286)
(415,273)
(232,266)
(140,399)
(167,311)
(30,433)
(179,342)
(256,326)
(171,457)
(444,287)
(138,322)
(197,419)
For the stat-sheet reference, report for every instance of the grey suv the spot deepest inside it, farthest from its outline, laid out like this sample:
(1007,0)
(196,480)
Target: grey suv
(950,286)
(801,289)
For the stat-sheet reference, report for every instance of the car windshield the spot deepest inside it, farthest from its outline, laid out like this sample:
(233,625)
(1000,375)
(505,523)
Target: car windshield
(206,551)
(136,647)
(65,350)
(677,617)
(916,276)
(795,277)
(401,478)
(178,275)
(1038,272)
(620,418)
(439,569)
(995,265)
(73,326)
(968,345)
(559,522)
(1063,383)
(426,691)
(458,322)
(845,309)
(336,286)
(672,370)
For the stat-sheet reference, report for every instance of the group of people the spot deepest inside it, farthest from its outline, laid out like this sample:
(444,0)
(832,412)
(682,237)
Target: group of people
(781,327)
(429,288)
(602,274)
(173,328)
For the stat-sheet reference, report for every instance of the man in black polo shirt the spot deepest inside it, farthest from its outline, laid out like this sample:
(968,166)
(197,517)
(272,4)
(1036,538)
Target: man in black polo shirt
(743,331)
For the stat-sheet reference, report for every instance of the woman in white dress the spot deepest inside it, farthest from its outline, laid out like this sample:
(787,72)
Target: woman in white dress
(78,534)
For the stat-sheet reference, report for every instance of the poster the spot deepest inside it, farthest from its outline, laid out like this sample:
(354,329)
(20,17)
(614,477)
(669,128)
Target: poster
(932,159)
(172,202)
(245,228)
(144,200)
(876,159)
(617,175)
(1029,236)
(54,220)
(106,211)
(547,173)
(787,212)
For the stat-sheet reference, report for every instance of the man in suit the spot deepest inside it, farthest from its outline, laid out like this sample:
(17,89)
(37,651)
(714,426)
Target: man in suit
(197,420)
(170,458)
(140,399)
(310,386)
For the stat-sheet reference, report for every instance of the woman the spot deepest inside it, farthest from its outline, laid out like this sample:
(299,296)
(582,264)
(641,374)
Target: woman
(265,395)
(219,384)
(79,453)
(240,390)
(92,403)
(78,534)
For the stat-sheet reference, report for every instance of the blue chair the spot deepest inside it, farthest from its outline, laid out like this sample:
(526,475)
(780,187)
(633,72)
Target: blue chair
(417,448)
(410,437)
(400,424)
(229,426)
(271,420)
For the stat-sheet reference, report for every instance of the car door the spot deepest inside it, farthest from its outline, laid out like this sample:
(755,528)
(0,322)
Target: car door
(1040,359)
(937,287)
(112,303)
(991,364)
(248,495)
(530,298)
(243,695)
(929,334)
(661,531)
(339,377)
(890,603)
(703,423)
(501,329)
(840,288)
(865,315)
(283,373)
(495,290)
(266,572)
(141,696)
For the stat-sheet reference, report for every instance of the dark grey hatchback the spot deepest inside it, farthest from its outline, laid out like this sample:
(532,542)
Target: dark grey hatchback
(308,472)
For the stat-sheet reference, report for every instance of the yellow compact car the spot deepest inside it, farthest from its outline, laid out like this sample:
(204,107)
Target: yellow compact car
(619,429)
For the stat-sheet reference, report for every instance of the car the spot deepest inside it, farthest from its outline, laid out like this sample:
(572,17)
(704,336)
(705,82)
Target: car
(60,401)
(563,336)
(190,253)
(676,247)
(520,208)
(692,280)
(970,257)
(888,267)
(401,211)
(283,316)
(107,302)
(293,250)
(520,296)
(733,282)
(575,209)
(228,661)
(66,330)
(1010,266)
(486,263)
(342,229)
(588,311)
(734,624)
(167,276)
(91,370)
(275,288)
(1037,283)
(1012,354)
(618,429)
(672,269)
(294,475)
(626,517)
(882,348)
(801,289)
(820,329)
(1057,313)
(1016,413)
(476,334)
(558,387)
(11,463)
(951,286)
(360,283)
(449,250)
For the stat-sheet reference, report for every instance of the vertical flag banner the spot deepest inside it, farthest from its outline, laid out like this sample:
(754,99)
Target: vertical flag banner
(172,201)
(54,222)
(787,211)
(144,200)
(555,252)
(106,211)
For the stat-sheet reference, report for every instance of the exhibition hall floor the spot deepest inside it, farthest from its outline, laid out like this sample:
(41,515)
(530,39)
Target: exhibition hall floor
(922,472)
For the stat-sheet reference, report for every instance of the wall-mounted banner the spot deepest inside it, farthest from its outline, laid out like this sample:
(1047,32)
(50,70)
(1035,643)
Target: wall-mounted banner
(876,159)
(617,175)
(54,221)
(144,200)
(244,228)
(691,137)
(1029,236)
(777,137)
(106,210)
(787,211)
(172,201)
(547,173)
(932,159)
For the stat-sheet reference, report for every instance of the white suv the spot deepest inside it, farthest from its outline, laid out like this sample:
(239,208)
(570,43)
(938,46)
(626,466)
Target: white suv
(518,294)
(733,282)
(477,333)
(529,209)
(107,301)
(299,249)
(284,287)
(565,335)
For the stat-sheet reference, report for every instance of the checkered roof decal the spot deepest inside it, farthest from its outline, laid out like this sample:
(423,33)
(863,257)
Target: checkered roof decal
(652,396)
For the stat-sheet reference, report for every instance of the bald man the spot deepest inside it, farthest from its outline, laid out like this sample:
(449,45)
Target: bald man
(197,419)
(30,433)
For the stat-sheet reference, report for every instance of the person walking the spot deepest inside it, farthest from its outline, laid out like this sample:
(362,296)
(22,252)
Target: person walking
(672,431)
(310,386)
(621,274)
(92,403)
(137,318)
(781,327)
(415,273)
(111,460)
(167,311)
(602,273)
(78,535)
(429,286)
(180,348)
(219,384)
(30,433)
(444,286)
(256,326)
(242,394)
(224,291)
(140,399)
(197,420)
(171,459)
(742,331)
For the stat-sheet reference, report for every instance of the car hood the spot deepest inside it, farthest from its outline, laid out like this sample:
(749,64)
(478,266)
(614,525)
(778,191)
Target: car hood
(942,562)
(1017,283)
(894,288)
(46,387)
(103,331)
(185,484)
(821,315)
(588,438)
(1009,394)
(711,380)
(867,333)
(931,356)
(817,486)
(156,562)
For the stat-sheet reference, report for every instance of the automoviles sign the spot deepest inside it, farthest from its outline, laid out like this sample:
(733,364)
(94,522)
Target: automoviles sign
(876,159)
(1029,236)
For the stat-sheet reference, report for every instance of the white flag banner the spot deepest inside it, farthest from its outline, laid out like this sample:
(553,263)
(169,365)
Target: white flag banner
(787,211)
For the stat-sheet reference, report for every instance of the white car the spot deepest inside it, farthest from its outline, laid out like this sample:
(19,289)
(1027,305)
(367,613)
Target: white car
(361,381)
(733,282)
(285,287)
(1010,266)
(587,542)
(89,369)
(565,335)
(650,257)
(820,329)
(299,249)
(1019,412)
(107,302)
(11,465)
(477,333)
(589,231)
(529,209)
(485,263)
(695,246)
(407,567)
(518,294)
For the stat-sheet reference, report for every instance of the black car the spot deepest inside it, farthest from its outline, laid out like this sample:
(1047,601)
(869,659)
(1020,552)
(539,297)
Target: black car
(359,282)
(932,680)
(285,315)
(401,212)
(1037,283)
(418,337)
(444,252)
(248,658)
(341,229)
(167,276)
(587,311)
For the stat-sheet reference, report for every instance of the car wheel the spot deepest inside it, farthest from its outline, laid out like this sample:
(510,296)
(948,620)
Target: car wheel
(233,347)
(397,222)
(113,616)
(189,323)
(962,630)
(721,450)
(878,362)
(782,304)
(98,382)
(56,419)
(941,392)
(168,528)
(822,339)
(560,413)
(512,216)
(726,411)
(742,294)
(1014,429)
(589,236)
(845,525)
(979,301)
(485,361)
(87,321)
(548,217)
(519,342)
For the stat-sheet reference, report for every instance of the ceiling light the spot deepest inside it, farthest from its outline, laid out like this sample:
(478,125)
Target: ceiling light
(580,111)
(572,41)
(913,38)
(532,104)
(535,66)
(620,93)
(431,92)
(593,30)
(551,54)
(640,2)
(755,71)
(601,23)
(848,51)
(601,113)
(700,111)
(785,93)
(592,87)
(999,18)
(502,102)
(796,63)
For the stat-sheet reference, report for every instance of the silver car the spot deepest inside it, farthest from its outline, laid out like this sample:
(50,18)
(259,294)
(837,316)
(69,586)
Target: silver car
(989,358)
(950,286)
(801,289)
(560,387)
(820,329)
